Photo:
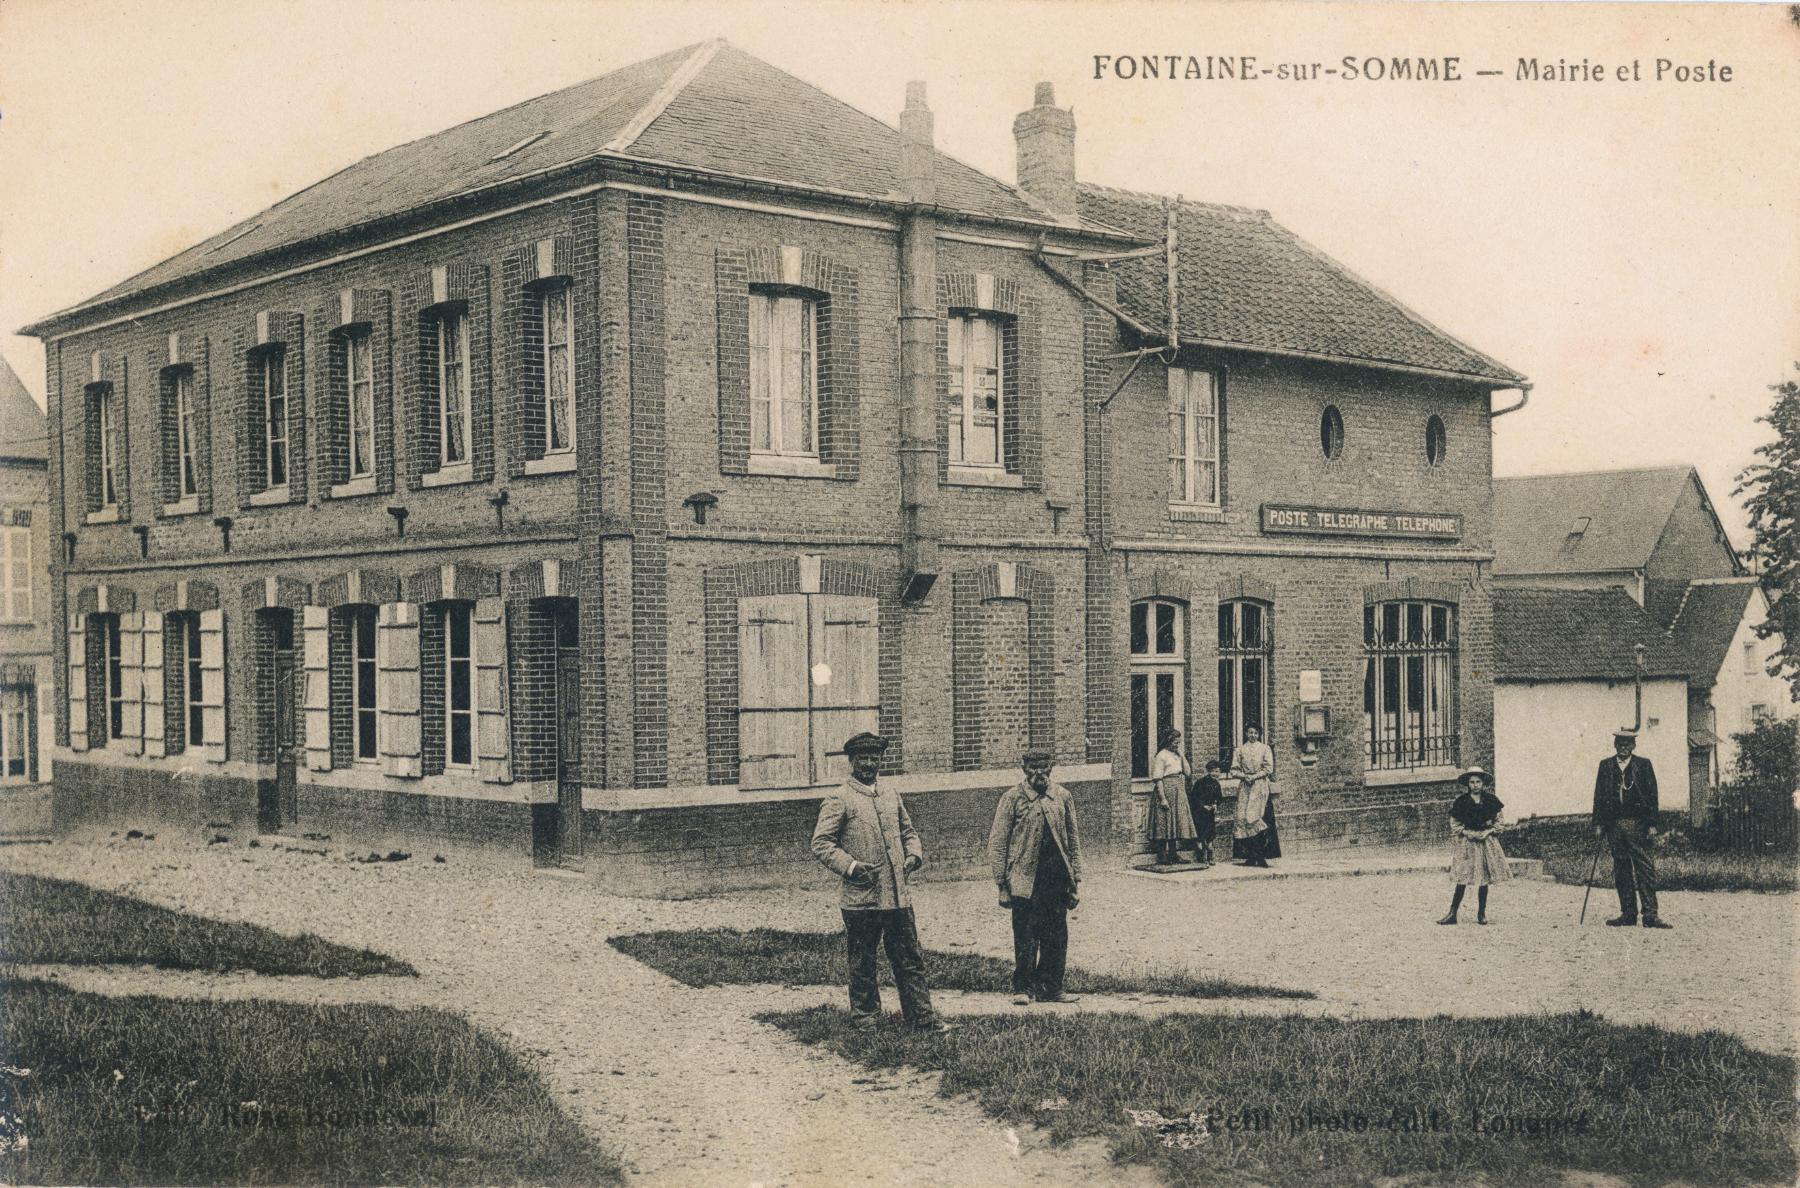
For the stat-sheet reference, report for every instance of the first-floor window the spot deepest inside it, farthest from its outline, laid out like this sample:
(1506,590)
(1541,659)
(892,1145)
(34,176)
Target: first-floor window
(363,708)
(977,390)
(359,386)
(1409,684)
(1193,437)
(1246,654)
(784,378)
(15,574)
(1158,691)
(15,733)
(807,681)
(109,448)
(559,369)
(453,387)
(275,426)
(459,686)
(187,482)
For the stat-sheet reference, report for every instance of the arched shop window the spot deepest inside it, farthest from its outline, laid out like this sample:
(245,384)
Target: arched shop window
(1158,677)
(1246,656)
(1409,684)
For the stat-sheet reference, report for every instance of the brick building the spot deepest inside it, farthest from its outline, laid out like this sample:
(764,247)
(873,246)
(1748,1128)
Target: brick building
(27,672)
(573,482)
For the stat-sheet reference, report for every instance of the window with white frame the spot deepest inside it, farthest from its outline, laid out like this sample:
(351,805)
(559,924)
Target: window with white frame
(977,391)
(1158,680)
(15,734)
(1409,684)
(109,449)
(557,316)
(359,389)
(1193,437)
(273,366)
(15,574)
(453,387)
(364,708)
(459,686)
(105,676)
(187,479)
(784,375)
(1246,656)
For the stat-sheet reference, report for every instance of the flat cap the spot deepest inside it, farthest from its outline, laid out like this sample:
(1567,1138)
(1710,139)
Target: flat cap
(1037,755)
(864,743)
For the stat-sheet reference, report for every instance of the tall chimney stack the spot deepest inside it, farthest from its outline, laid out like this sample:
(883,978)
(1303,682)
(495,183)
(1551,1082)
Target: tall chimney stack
(1045,137)
(918,157)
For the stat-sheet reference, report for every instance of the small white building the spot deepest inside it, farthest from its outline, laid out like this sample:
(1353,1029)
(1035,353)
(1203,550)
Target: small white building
(1565,678)
(1730,687)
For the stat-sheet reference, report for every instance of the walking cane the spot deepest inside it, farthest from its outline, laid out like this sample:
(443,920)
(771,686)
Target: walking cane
(1589,889)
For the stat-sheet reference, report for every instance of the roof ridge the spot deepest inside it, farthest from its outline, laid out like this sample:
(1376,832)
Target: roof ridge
(1740,580)
(1680,609)
(1511,478)
(1148,196)
(1501,370)
(699,59)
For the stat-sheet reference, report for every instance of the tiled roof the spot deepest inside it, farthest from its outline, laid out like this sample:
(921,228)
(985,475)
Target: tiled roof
(709,108)
(22,433)
(1248,281)
(1625,512)
(1570,635)
(1708,620)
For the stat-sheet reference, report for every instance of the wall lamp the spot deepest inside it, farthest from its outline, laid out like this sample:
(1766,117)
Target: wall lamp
(399,514)
(223,524)
(499,500)
(143,535)
(68,548)
(700,501)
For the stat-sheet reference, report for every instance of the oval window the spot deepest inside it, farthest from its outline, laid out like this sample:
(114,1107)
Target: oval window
(1435,440)
(1331,431)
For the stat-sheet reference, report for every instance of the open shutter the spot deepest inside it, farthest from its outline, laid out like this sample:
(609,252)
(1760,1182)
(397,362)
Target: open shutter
(131,682)
(397,686)
(155,721)
(772,696)
(493,734)
(78,689)
(212,685)
(846,697)
(315,652)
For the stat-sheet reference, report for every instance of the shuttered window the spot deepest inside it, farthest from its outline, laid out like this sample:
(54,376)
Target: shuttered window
(459,686)
(807,666)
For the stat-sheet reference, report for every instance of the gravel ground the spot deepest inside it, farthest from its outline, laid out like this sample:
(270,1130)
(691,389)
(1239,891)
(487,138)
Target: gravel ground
(690,1090)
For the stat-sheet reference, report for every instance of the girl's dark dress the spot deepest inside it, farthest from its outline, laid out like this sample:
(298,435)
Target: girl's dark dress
(1476,862)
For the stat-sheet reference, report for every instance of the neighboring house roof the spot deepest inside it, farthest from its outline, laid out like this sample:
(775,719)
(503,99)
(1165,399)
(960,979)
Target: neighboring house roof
(1246,281)
(22,434)
(1572,635)
(1625,513)
(1706,624)
(710,108)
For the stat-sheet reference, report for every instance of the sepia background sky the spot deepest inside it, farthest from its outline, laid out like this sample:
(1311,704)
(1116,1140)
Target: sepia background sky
(1634,248)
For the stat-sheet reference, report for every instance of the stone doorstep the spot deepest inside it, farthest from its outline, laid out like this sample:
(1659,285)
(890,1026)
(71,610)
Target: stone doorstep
(1322,868)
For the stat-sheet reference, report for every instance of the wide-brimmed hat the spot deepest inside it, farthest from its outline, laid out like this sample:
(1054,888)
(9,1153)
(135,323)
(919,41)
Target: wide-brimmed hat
(1625,734)
(1486,776)
(864,743)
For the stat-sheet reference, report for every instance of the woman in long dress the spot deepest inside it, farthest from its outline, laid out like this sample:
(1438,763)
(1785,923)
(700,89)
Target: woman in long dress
(1476,859)
(1253,764)
(1173,818)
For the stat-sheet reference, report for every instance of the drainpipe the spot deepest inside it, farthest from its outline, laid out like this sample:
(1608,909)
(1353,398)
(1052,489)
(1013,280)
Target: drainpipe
(918,350)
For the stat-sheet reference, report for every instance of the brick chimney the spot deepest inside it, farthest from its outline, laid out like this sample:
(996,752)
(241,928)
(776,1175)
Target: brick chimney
(1045,136)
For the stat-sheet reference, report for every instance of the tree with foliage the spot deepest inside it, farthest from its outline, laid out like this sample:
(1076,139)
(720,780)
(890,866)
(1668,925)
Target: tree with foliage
(1773,486)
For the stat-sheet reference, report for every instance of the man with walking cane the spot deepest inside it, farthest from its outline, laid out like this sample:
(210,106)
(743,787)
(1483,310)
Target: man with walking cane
(1625,817)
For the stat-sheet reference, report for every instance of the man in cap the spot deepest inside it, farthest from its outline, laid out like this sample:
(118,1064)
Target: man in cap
(1625,815)
(865,837)
(1035,850)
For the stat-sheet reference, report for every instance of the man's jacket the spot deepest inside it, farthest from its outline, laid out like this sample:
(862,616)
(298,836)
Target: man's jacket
(1631,793)
(1020,819)
(867,826)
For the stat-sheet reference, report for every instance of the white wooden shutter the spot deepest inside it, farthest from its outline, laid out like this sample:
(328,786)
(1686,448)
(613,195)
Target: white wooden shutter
(397,686)
(212,685)
(131,682)
(78,689)
(155,712)
(773,704)
(493,732)
(844,675)
(315,654)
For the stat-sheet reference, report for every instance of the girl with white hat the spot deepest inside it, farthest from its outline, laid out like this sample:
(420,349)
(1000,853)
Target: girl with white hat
(1476,858)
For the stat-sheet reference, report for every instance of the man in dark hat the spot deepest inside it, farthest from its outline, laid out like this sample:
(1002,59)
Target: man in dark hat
(1035,850)
(1625,815)
(865,837)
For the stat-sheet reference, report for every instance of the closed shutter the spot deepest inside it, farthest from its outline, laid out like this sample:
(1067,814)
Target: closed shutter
(78,689)
(155,719)
(845,696)
(773,701)
(493,750)
(315,653)
(131,682)
(397,687)
(212,685)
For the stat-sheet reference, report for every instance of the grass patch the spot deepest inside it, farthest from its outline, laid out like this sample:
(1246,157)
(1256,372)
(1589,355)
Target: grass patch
(1637,1102)
(771,956)
(1567,846)
(55,921)
(159,1091)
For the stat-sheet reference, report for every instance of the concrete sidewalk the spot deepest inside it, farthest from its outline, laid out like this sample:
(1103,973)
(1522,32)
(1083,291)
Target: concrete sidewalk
(1328,864)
